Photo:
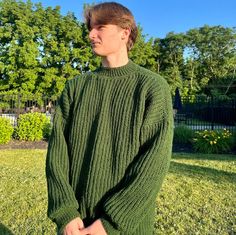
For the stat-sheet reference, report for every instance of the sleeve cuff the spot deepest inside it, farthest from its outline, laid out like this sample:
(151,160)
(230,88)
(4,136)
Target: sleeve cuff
(109,227)
(64,216)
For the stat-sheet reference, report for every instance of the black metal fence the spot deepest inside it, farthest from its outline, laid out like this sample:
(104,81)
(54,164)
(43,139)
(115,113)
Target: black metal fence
(199,114)
(207,113)
(11,106)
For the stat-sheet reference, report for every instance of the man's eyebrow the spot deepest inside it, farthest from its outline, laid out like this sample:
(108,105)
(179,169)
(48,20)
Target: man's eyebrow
(97,25)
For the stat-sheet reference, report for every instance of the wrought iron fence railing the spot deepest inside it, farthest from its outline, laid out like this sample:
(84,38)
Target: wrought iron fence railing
(209,113)
(202,113)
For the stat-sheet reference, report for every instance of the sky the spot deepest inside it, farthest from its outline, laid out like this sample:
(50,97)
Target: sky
(159,17)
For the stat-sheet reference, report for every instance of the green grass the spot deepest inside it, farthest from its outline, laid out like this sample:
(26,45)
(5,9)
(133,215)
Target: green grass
(198,195)
(23,193)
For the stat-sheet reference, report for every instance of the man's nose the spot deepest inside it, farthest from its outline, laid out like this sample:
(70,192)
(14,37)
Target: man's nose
(92,34)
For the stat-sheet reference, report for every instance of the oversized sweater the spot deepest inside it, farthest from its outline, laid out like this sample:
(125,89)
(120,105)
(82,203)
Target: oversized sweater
(110,149)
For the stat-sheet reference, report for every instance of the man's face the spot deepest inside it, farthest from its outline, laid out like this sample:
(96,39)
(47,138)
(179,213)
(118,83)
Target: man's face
(107,39)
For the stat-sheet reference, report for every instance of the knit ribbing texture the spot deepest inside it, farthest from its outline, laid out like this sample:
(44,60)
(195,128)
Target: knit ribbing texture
(110,149)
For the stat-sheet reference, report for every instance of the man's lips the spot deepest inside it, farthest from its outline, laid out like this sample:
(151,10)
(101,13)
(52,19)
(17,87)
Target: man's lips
(95,43)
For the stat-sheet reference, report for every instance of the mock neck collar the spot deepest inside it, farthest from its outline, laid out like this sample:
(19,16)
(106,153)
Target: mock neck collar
(117,71)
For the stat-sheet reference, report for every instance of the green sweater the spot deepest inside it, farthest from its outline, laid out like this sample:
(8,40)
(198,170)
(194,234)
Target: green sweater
(110,149)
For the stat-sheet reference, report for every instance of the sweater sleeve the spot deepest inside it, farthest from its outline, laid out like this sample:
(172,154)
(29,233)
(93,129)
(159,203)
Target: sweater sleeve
(138,189)
(62,204)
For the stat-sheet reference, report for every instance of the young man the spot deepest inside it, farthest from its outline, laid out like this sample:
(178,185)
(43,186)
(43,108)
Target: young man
(111,142)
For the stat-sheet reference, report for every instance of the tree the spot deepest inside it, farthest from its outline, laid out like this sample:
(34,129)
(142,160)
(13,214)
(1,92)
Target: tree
(171,58)
(18,49)
(213,49)
(142,53)
(38,52)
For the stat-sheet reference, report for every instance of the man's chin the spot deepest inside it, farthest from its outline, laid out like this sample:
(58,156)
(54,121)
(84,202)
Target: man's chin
(96,52)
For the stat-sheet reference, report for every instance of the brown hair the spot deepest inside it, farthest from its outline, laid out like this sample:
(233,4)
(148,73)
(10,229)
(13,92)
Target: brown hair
(112,13)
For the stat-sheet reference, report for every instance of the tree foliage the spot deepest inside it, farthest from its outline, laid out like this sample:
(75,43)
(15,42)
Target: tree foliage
(40,49)
(142,53)
(172,59)
(213,55)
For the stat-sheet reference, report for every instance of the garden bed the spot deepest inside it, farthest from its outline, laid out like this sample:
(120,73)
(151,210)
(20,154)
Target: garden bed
(43,144)
(186,148)
(17,144)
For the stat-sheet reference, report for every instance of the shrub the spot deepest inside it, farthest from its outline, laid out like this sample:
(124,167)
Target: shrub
(209,141)
(6,130)
(47,131)
(234,140)
(183,135)
(32,126)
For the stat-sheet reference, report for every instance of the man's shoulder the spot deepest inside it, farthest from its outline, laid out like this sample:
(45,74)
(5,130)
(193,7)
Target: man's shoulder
(78,79)
(151,78)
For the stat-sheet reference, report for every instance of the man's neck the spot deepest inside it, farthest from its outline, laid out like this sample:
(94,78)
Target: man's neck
(115,61)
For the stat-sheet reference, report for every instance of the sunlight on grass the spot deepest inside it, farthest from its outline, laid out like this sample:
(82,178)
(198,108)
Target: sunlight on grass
(23,194)
(198,195)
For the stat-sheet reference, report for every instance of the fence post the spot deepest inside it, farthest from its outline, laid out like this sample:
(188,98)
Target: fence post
(18,104)
(212,113)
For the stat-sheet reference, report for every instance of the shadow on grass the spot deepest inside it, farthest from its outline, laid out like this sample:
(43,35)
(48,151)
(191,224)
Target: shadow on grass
(4,230)
(207,173)
(201,156)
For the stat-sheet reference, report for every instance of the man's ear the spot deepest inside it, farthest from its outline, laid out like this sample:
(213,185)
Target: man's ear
(125,34)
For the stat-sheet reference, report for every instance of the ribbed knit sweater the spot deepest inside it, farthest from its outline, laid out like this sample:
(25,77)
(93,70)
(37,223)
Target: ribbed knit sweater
(110,149)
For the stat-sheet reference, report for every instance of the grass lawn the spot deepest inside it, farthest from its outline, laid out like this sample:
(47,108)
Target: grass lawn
(198,195)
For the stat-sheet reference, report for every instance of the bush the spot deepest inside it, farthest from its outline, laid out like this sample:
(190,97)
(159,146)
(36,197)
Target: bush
(47,131)
(6,130)
(183,135)
(32,126)
(234,140)
(209,141)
